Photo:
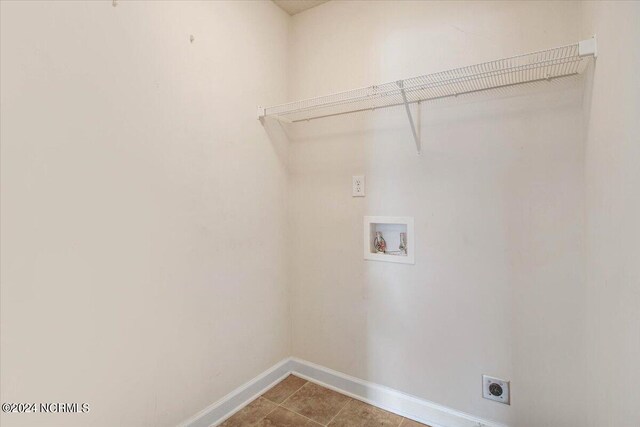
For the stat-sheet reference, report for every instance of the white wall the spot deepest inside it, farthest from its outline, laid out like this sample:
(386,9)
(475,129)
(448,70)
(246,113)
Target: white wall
(143,218)
(613,215)
(498,198)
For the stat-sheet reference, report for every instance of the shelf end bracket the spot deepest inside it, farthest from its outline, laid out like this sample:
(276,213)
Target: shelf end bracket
(261,113)
(416,133)
(588,47)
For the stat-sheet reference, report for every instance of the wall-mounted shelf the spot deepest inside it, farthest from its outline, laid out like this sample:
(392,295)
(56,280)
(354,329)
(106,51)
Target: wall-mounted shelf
(522,69)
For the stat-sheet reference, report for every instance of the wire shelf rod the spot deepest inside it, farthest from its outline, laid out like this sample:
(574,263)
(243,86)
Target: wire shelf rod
(431,99)
(533,67)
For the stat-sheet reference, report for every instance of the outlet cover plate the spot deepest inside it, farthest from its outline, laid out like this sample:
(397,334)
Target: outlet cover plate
(496,389)
(357,187)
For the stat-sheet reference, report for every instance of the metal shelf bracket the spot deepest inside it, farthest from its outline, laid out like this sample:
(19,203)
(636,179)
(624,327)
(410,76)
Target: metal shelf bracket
(416,133)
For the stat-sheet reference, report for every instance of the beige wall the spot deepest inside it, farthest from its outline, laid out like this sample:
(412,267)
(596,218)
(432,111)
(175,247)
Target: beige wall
(151,228)
(498,197)
(143,206)
(613,214)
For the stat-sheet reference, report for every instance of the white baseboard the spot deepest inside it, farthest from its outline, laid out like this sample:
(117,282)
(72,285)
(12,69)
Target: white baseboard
(219,411)
(383,397)
(400,403)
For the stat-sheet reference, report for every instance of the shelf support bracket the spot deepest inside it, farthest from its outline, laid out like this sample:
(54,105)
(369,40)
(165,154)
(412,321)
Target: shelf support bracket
(416,133)
(262,115)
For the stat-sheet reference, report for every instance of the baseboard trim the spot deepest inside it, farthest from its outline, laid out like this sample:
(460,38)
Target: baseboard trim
(395,401)
(219,411)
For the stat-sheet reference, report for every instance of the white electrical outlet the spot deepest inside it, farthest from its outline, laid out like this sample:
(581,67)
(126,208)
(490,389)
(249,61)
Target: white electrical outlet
(357,188)
(496,389)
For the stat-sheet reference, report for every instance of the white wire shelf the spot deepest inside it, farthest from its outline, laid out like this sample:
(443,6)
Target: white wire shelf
(532,67)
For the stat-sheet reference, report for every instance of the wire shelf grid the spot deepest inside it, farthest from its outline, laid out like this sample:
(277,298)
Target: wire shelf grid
(527,68)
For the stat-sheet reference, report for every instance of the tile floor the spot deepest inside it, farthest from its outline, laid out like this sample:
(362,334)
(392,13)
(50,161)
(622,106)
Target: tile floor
(295,402)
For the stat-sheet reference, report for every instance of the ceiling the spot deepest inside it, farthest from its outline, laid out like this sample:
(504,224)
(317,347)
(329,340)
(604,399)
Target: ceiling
(296,6)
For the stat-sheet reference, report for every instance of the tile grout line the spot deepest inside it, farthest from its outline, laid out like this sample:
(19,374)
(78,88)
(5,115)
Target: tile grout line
(300,388)
(294,412)
(268,413)
(312,420)
(291,410)
(279,405)
(288,410)
(338,413)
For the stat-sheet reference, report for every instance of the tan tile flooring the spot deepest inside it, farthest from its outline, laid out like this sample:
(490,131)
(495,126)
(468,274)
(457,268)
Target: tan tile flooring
(295,402)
